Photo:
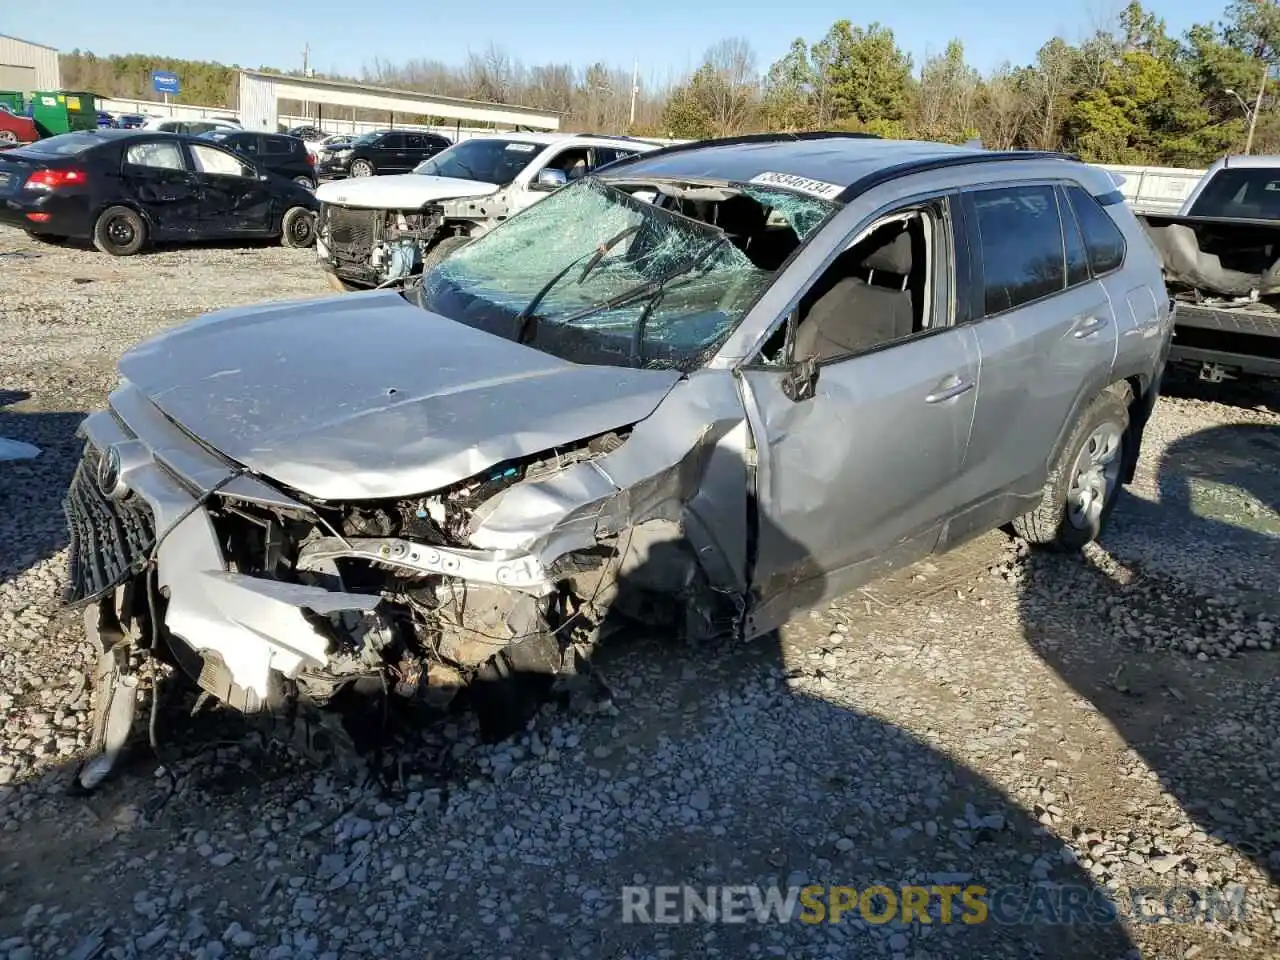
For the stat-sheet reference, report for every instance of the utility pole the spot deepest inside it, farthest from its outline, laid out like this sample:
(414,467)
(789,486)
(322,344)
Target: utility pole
(635,89)
(1257,105)
(306,52)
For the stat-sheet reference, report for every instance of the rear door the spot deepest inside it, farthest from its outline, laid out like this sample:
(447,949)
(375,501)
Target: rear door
(277,155)
(1046,335)
(237,201)
(155,174)
(389,154)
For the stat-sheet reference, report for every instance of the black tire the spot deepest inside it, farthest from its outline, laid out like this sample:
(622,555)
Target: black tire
(362,168)
(441,250)
(305,182)
(120,232)
(47,238)
(298,228)
(1061,522)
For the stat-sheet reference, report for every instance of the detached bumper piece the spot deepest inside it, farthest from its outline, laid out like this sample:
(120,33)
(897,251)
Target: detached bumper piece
(110,539)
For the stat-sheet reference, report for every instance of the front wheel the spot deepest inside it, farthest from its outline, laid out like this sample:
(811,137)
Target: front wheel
(361,168)
(1083,486)
(441,250)
(120,232)
(298,228)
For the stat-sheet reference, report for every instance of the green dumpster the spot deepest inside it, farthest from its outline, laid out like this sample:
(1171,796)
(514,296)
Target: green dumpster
(61,111)
(14,100)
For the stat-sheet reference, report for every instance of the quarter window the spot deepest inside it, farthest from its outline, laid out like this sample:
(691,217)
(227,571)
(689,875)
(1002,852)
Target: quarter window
(1102,238)
(1020,233)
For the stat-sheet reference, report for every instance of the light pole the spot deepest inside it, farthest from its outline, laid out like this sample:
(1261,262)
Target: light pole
(1252,114)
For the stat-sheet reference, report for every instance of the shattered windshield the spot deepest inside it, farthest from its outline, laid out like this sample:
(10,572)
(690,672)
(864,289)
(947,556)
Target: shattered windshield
(486,160)
(595,275)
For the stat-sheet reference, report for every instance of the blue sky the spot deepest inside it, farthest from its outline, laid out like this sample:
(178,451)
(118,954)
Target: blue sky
(666,36)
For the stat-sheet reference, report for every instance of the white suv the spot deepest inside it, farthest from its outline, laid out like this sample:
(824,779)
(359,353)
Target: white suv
(374,231)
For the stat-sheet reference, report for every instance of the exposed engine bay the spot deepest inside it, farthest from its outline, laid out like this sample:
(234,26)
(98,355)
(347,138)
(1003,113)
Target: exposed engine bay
(375,247)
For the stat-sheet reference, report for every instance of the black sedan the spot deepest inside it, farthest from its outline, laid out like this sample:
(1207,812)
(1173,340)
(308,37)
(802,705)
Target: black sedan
(124,189)
(383,151)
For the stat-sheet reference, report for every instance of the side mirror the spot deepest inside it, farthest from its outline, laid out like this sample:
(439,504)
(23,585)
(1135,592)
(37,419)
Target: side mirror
(800,382)
(550,178)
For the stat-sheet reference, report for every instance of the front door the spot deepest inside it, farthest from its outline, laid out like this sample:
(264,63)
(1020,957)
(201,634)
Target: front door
(156,175)
(237,201)
(858,477)
(1047,336)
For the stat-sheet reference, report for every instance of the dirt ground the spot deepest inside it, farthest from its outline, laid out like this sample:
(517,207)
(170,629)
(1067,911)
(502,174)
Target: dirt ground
(1101,723)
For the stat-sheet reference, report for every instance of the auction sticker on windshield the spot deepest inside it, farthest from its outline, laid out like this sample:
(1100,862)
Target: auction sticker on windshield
(520,147)
(817,188)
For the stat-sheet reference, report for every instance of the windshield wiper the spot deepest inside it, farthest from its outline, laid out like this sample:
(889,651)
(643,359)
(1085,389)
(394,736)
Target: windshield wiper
(522,319)
(648,288)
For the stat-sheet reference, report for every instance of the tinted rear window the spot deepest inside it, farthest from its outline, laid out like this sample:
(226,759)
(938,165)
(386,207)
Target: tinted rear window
(63,145)
(1241,194)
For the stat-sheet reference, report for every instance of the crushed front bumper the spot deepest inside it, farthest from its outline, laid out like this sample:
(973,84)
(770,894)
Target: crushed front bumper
(141,501)
(241,627)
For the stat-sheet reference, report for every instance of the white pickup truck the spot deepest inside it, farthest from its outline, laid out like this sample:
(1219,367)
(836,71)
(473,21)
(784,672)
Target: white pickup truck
(1221,256)
(376,231)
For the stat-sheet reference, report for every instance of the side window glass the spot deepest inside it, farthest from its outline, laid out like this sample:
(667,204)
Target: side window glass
(1020,237)
(1077,258)
(157,155)
(219,163)
(276,146)
(605,155)
(414,141)
(392,141)
(1102,238)
(572,161)
(873,294)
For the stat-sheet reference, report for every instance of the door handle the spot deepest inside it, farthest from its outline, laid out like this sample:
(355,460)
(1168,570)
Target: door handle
(949,389)
(1088,327)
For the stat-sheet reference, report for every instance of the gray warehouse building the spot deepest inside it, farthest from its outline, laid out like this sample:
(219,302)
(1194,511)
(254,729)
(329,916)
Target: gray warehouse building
(27,67)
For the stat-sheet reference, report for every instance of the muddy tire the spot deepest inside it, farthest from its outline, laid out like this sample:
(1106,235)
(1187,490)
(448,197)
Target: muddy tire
(298,228)
(120,232)
(1085,481)
(362,168)
(442,250)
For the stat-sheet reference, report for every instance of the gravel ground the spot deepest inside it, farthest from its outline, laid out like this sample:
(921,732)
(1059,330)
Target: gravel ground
(992,717)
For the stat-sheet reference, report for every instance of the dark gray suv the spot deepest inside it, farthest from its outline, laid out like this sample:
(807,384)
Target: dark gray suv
(703,388)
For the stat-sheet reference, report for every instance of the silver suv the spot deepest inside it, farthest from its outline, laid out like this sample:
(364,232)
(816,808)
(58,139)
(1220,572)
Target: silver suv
(701,388)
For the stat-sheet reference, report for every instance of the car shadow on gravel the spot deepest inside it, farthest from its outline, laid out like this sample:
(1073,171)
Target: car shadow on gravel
(32,527)
(720,765)
(1187,677)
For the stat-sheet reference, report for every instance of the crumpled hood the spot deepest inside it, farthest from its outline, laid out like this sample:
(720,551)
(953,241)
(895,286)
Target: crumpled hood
(405,191)
(365,395)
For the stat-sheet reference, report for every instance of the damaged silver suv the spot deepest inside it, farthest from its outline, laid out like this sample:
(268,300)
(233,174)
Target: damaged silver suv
(701,389)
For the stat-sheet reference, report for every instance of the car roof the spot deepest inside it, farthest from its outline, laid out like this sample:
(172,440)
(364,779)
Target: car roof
(827,160)
(549,138)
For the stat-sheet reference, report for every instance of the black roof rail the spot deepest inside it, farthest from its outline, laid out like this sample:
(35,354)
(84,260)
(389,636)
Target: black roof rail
(748,138)
(941,162)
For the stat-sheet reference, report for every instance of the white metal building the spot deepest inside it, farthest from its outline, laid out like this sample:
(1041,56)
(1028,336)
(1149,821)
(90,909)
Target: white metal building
(27,67)
(260,94)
